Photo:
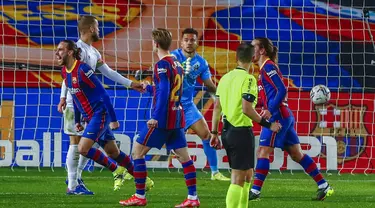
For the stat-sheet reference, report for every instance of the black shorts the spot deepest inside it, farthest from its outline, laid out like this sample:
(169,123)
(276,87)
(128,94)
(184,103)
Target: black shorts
(239,145)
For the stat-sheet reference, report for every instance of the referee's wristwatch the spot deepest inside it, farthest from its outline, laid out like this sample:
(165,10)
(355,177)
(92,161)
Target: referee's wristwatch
(214,132)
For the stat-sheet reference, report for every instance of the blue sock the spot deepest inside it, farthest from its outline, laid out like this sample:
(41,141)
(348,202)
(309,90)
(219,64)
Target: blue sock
(261,171)
(211,155)
(140,174)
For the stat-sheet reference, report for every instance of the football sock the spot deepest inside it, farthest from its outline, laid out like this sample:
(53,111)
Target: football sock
(310,168)
(211,155)
(234,194)
(71,164)
(261,172)
(190,177)
(140,174)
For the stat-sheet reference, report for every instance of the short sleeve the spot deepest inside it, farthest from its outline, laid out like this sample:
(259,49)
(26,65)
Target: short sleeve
(206,74)
(249,86)
(219,87)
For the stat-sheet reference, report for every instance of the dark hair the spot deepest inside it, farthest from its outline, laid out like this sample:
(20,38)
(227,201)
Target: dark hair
(245,52)
(71,45)
(85,22)
(271,50)
(190,31)
(162,37)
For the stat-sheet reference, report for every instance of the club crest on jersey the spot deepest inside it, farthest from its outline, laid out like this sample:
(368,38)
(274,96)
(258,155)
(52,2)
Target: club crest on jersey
(346,125)
(74,80)
(196,66)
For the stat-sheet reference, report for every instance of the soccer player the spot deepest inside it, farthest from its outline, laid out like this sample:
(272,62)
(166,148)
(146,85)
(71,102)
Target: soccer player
(93,102)
(166,123)
(89,33)
(237,94)
(195,66)
(273,95)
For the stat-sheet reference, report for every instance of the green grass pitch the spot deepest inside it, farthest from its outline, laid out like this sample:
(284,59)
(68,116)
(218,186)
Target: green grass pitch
(47,189)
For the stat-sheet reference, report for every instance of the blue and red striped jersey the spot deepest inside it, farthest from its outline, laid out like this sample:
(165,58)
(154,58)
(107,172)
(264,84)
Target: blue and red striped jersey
(167,108)
(272,91)
(88,93)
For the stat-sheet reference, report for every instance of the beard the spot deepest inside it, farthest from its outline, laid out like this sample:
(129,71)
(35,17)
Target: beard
(95,37)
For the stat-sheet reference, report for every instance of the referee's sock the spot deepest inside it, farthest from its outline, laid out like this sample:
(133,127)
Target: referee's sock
(210,152)
(234,195)
(261,172)
(245,195)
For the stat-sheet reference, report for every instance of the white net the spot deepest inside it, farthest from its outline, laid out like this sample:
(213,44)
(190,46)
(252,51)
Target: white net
(320,42)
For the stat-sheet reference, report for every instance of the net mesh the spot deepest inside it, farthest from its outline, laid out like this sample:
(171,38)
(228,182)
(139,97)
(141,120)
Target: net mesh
(320,42)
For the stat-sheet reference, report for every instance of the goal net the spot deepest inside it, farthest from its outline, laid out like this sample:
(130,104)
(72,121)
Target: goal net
(319,41)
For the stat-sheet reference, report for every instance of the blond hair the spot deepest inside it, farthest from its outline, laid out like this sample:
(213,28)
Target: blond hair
(162,37)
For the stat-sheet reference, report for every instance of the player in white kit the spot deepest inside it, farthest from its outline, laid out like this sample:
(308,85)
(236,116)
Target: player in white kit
(89,32)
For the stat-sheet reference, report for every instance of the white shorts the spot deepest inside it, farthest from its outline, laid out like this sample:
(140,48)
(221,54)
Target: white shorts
(69,123)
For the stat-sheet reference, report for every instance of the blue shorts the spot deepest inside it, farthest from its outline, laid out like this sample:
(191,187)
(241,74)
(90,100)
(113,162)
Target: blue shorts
(98,129)
(155,137)
(286,137)
(192,114)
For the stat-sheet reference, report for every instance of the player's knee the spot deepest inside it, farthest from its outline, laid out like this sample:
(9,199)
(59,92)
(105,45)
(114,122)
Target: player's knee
(296,156)
(82,150)
(113,154)
(263,152)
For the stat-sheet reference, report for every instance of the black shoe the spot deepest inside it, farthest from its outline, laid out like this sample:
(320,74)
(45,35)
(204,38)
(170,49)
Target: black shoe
(254,196)
(322,193)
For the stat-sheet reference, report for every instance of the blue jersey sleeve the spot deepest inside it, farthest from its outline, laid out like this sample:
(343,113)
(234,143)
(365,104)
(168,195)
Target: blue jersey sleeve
(163,88)
(277,82)
(77,113)
(206,74)
(92,80)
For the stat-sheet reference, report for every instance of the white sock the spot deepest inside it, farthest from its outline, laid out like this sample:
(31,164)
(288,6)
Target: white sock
(71,164)
(324,185)
(140,196)
(83,162)
(192,197)
(255,191)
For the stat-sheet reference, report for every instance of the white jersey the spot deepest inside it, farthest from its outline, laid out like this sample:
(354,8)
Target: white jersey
(92,57)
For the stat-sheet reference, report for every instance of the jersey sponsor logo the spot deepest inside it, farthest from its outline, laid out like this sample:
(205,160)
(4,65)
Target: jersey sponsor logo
(162,70)
(271,73)
(74,90)
(89,73)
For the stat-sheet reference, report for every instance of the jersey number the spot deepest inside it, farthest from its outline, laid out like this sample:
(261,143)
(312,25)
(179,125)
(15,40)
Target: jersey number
(176,88)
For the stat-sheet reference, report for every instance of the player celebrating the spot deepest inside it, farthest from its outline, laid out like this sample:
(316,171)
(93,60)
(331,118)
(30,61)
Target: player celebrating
(166,123)
(195,66)
(273,94)
(93,102)
(237,94)
(89,32)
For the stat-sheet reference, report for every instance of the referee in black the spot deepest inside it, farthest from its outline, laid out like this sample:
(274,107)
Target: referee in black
(237,95)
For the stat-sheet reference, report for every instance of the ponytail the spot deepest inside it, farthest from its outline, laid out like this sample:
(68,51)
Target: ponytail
(271,50)
(274,57)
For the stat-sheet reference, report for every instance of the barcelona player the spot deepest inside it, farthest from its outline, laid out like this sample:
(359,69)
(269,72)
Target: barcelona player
(166,125)
(273,96)
(93,102)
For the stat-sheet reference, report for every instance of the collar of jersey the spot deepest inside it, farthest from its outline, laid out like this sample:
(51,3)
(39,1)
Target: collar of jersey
(240,68)
(71,69)
(264,63)
(169,55)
